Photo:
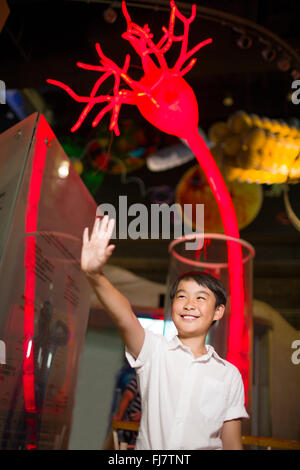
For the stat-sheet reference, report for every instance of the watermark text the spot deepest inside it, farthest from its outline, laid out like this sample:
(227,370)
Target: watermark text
(296,94)
(2,92)
(161,217)
(296,354)
(2,352)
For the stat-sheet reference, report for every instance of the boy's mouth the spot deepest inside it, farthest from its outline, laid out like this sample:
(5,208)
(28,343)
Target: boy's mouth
(189,317)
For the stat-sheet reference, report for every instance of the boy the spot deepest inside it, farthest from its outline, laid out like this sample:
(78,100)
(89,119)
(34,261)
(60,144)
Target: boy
(191,398)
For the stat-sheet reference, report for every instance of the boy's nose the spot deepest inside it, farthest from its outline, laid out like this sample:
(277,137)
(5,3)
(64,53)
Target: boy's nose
(189,305)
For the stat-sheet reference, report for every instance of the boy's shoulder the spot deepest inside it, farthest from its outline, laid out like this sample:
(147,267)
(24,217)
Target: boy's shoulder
(232,370)
(173,342)
(231,366)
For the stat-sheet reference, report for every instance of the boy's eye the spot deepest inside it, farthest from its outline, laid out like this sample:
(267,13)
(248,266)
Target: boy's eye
(181,296)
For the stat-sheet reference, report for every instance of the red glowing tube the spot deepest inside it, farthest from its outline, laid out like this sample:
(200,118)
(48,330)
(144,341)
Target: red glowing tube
(34,191)
(165,99)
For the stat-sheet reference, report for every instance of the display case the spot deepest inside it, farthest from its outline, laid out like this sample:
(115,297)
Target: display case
(45,298)
(209,254)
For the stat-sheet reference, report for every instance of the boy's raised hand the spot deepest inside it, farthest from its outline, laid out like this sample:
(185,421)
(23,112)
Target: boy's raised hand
(96,250)
(95,253)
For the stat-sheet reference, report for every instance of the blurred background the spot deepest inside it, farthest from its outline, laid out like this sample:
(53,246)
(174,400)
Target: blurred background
(249,116)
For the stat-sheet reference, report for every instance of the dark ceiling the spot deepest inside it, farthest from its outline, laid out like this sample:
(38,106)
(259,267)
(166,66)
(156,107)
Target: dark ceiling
(44,39)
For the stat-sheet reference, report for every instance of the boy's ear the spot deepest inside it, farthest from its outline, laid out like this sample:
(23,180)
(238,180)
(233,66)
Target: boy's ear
(219,312)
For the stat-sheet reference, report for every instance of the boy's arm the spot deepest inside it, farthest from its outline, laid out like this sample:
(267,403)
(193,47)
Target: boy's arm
(120,311)
(232,435)
(95,253)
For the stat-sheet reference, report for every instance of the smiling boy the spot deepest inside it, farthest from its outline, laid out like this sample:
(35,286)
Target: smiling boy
(191,398)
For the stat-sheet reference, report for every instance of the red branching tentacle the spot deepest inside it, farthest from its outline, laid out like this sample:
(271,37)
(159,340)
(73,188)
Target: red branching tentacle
(186,22)
(143,43)
(126,64)
(169,34)
(99,68)
(107,63)
(91,103)
(79,99)
(166,37)
(114,68)
(124,96)
(101,114)
(184,55)
(116,100)
(125,13)
(187,68)
(114,120)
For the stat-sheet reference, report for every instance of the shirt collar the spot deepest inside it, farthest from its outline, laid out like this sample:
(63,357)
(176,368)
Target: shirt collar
(175,343)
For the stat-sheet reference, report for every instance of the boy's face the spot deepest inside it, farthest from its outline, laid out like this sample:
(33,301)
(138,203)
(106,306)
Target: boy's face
(193,308)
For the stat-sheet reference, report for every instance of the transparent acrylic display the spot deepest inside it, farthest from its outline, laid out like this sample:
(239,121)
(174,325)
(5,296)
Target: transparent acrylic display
(45,298)
(212,257)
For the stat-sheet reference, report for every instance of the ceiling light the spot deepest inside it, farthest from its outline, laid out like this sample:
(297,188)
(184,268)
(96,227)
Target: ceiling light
(244,42)
(228,100)
(295,74)
(110,15)
(284,64)
(63,170)
(269,54)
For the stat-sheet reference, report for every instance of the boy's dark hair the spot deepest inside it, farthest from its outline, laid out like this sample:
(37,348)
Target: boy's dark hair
(203,279)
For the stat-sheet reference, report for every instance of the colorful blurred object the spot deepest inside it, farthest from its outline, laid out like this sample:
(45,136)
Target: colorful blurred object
(257,149)
(85,167)
(105,153)
(130,149)
(93,180)
(74,150)
(169,157)
(193,189)
(78,165)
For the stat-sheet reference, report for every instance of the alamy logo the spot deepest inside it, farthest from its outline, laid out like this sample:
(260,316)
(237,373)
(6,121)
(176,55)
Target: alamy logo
(296,94)
(139,226)
(296,354)
(2,92)
(2,352)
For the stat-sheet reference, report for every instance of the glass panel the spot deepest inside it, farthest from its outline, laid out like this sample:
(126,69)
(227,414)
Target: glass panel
(45,297)
(212,257)
(14,143)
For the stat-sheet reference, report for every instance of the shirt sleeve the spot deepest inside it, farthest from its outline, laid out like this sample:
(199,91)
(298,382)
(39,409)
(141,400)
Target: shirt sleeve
(236,401)
(150,344)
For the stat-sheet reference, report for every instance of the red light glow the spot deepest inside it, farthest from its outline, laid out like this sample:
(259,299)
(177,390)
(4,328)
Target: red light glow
(31,218)
(166,100)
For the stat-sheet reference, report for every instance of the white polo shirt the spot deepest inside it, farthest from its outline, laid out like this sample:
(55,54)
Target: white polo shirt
(185,401)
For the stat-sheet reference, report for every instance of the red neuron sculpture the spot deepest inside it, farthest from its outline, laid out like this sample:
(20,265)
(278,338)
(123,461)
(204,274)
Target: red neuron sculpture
(166,100)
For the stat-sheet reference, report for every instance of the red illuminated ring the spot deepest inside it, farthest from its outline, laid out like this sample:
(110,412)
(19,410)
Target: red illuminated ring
(217,236)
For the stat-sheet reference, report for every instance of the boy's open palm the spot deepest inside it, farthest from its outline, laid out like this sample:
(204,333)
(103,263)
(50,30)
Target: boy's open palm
(95,253)
(96,249)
